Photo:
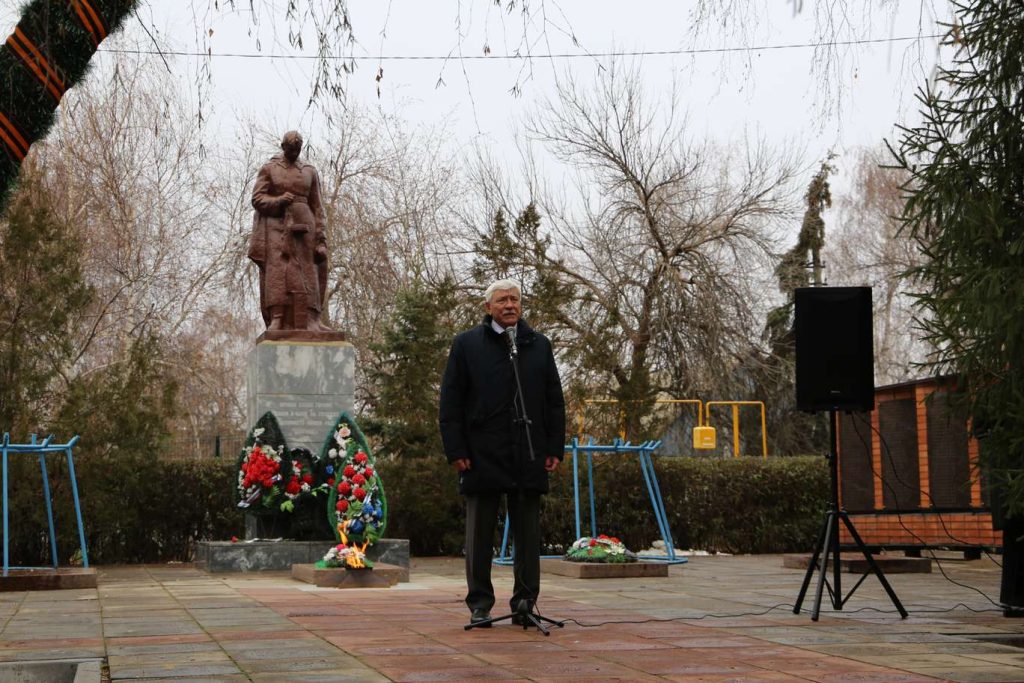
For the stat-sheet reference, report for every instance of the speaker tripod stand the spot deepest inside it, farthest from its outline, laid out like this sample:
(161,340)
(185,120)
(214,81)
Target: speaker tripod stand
(828,546)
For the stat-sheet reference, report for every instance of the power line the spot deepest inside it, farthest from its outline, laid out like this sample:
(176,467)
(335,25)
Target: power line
(519,57)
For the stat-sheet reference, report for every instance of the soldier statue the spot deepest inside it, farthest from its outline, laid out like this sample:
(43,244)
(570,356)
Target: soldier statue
(288,243)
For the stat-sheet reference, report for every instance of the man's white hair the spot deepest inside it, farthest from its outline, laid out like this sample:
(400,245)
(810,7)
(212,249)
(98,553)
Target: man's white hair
(501,284)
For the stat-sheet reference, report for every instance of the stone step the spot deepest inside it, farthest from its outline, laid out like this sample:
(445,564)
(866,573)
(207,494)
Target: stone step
(45,579)
(854,563)
(382,575)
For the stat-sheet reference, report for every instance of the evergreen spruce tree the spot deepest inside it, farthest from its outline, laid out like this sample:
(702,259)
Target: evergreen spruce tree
(43,293)
(801,266)
(404,384)
(965,208)
(406,378)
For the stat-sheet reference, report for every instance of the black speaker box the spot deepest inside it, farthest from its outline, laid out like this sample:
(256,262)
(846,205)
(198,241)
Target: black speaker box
(834,349)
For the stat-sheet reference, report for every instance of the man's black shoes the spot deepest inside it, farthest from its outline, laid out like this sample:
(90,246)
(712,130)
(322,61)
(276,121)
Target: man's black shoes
(479,615)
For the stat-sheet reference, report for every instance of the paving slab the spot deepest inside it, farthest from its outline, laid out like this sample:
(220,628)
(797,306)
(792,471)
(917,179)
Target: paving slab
(714,619)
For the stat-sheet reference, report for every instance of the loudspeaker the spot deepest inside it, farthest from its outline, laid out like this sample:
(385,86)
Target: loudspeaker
(834,349)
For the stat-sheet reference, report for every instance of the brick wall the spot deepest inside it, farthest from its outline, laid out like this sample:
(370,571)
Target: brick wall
(924,528)
(918,522)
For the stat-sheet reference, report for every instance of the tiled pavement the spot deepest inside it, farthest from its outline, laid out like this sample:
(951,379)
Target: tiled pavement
(178,623)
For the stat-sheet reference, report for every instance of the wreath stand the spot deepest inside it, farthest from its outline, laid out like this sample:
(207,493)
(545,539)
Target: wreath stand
(42,450)
(643,451)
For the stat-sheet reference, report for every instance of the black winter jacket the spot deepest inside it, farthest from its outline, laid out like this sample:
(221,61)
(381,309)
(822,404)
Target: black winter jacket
(477,416)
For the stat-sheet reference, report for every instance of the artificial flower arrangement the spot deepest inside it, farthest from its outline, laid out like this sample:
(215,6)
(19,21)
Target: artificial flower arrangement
(272,478)
(357,506)
(348,556)
(259,467)
(599,549)
(299,481)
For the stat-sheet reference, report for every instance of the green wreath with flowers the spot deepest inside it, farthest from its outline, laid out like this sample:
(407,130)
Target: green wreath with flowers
(607,549)
(357,505)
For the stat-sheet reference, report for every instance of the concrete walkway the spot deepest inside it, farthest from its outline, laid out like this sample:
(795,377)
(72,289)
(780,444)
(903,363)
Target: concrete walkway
(177,623)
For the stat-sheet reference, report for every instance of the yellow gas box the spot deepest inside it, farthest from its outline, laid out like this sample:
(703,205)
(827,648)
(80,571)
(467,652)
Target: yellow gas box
(704,438)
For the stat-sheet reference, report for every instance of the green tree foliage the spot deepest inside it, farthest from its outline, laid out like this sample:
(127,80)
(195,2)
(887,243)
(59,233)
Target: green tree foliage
(124,407)
(499,255)
(42,296)
(423,500)
(775,374)
(795,268)
(406,375)
(965,208)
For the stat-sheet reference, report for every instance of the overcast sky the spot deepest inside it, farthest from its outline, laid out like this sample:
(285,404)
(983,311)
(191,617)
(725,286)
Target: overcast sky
(774,92)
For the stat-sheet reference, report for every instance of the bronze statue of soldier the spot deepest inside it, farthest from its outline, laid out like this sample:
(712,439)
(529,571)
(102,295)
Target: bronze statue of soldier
(288,242)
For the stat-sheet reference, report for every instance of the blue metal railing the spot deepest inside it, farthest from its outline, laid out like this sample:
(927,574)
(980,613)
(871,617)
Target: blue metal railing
(644,451)
(42,449)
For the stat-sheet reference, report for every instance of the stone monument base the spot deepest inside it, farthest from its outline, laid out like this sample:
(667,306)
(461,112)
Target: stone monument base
(604,570)
(261,556)
(381,576)
(305,383)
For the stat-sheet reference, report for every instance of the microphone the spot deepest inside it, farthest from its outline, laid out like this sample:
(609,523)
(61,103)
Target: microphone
(510,339)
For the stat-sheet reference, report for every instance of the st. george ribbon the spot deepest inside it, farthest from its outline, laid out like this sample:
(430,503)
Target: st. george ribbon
(510,339)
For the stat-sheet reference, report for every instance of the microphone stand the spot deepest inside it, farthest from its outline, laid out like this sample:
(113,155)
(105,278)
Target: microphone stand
(524,609)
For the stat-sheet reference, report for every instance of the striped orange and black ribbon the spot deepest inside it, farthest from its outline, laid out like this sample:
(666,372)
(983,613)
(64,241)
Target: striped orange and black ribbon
(13,139)
(46,73)
(91,19)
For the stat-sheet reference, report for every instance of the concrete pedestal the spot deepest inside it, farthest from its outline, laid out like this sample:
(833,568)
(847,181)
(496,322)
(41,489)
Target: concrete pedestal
(259,556)
(48,579)
(381,576)
(604,570)
(854,563)
(306,384)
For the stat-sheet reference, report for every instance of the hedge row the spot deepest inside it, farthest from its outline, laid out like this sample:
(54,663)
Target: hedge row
(744,505)
(135,508)
(142,509)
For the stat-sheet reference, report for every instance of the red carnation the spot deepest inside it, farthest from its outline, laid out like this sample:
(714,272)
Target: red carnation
(593,542)
(368,472)
(342,505)
(307,478)
(350,471)
(359,480)
(615,540)
(360,457)
(293,486)
(330,481)
(359,494)
(344,488)
(603,537)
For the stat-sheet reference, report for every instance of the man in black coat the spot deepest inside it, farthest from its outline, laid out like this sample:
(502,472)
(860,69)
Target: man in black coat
(487,444)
